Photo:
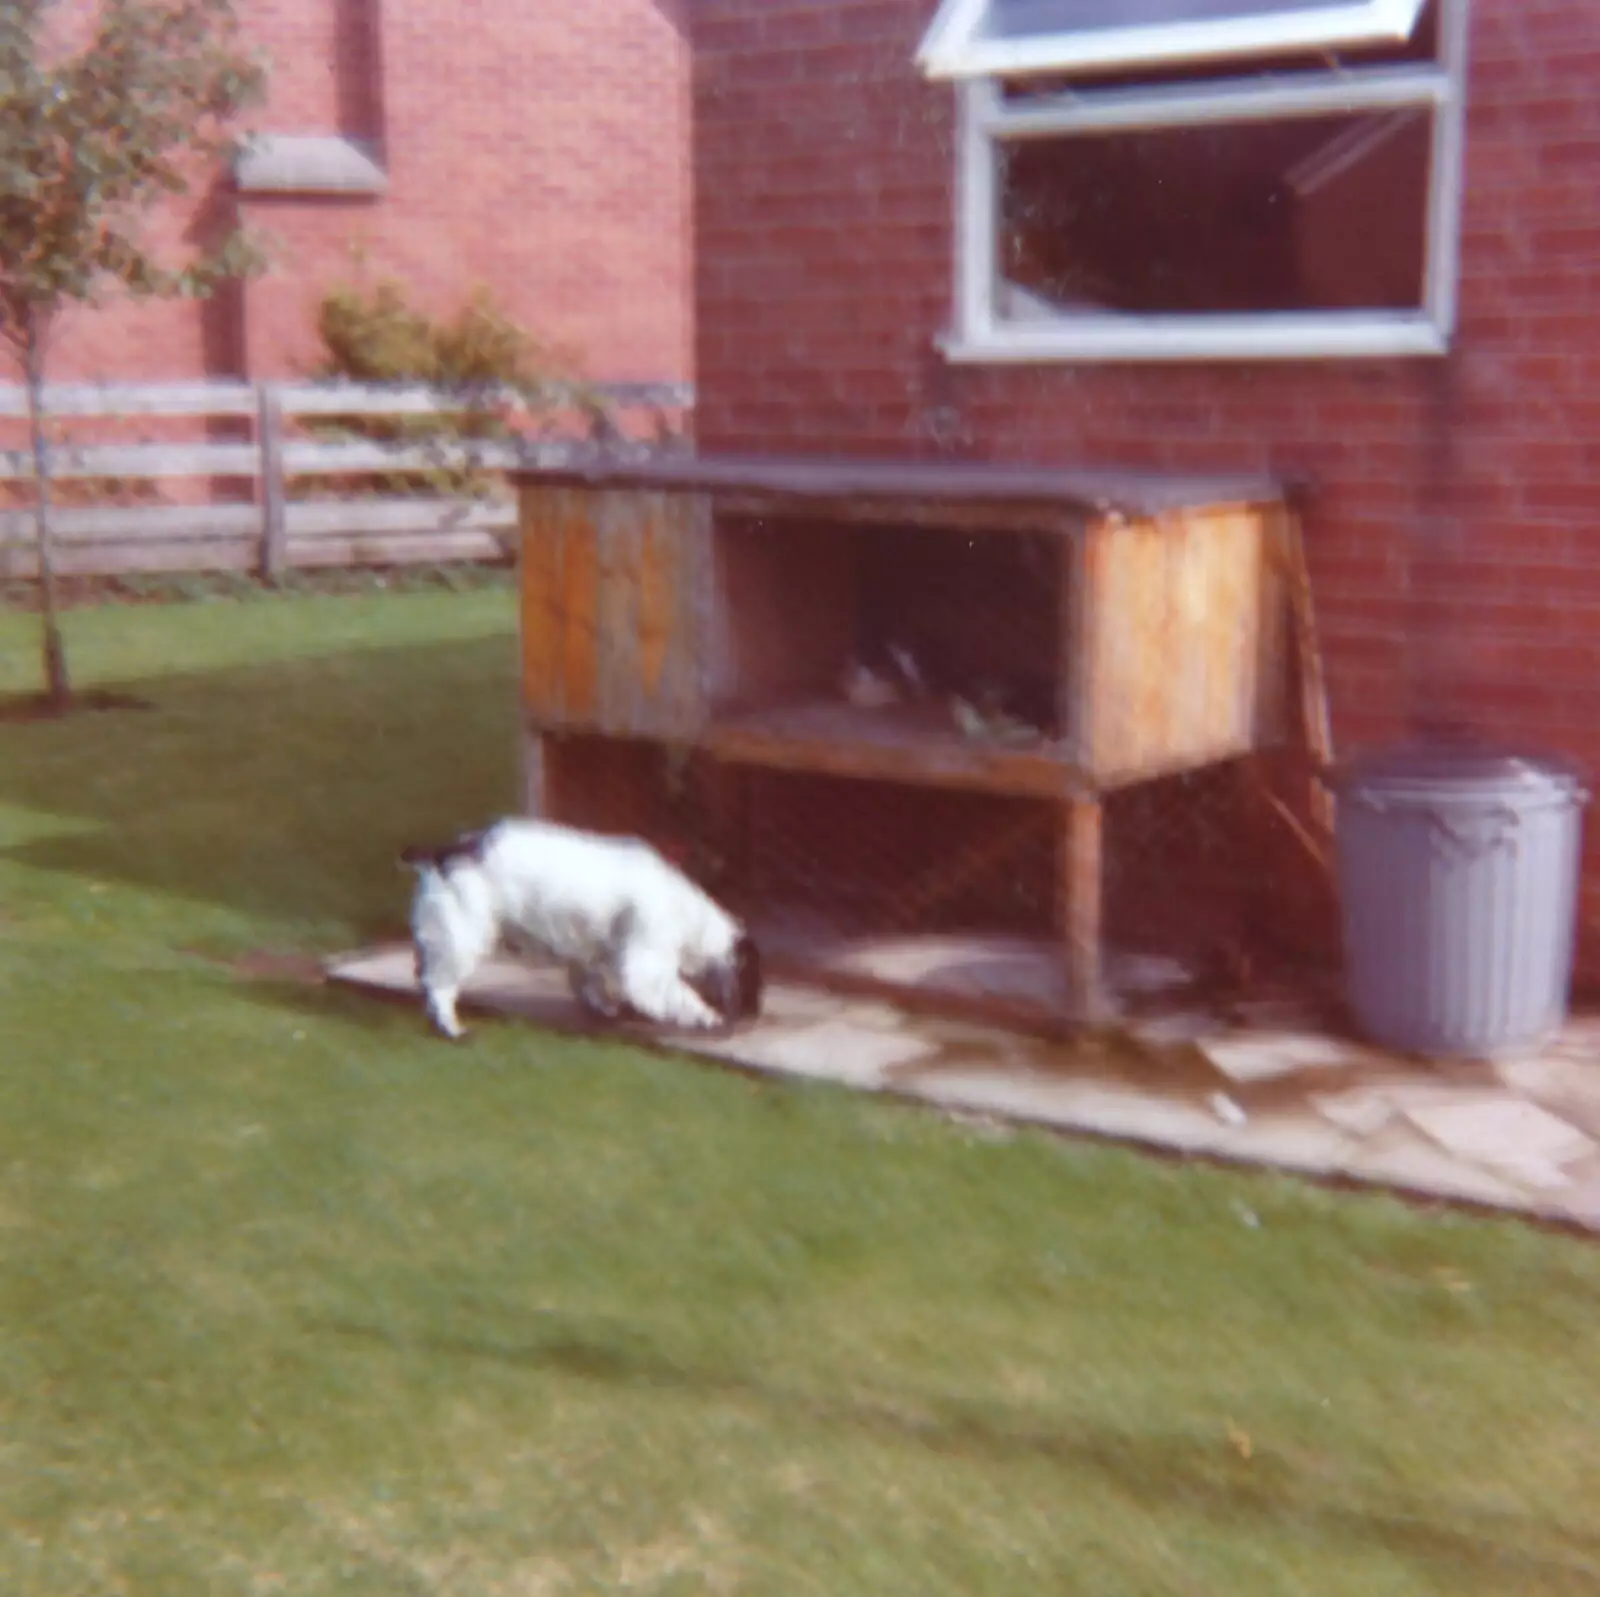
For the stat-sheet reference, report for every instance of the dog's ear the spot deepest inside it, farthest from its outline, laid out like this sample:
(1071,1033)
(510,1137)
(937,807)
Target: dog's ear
(435,856)
(732,985)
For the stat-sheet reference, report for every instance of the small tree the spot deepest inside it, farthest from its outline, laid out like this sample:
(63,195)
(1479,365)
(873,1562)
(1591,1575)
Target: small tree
(93,140)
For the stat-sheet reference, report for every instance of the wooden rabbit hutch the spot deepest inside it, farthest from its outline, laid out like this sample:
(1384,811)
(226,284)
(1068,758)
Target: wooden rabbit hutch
(879,706)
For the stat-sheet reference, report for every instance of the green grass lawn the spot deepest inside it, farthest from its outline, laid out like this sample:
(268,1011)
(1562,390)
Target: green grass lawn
(295,1299)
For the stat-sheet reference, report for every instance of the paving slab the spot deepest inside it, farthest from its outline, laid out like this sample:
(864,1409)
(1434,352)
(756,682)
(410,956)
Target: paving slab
(1566,1084)
(1366,1109)
(1143,975)
(1578,1039)
(1279,1014)
(1250,1058)
(1522,1135)
(1362,1112)
(1294,1140)
(1579,1204)
(1176,1030)
(1402,1158)
(871,1015)
(839,1050)
(1104,1108)
(1017,968)
(1506,1134)
(800,1004)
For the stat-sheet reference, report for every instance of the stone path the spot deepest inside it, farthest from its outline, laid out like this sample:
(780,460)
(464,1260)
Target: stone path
(1271,1086)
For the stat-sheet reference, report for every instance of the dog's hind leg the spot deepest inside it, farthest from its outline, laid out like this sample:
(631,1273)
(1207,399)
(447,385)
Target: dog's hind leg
(657,990)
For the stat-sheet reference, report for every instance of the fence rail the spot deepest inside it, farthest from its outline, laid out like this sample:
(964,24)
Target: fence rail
(274,530)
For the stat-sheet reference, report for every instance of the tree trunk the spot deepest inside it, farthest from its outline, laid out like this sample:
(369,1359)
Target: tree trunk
(58,684)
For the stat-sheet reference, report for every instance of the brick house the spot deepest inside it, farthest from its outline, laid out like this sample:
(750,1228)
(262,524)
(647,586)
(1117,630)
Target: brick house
(1414,318)
(538,149)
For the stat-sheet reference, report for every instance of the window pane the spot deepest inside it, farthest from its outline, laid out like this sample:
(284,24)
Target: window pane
(1020,19)
(1422,48)
(1313,213)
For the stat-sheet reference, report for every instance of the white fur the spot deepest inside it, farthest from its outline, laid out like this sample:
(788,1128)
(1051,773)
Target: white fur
(631,929)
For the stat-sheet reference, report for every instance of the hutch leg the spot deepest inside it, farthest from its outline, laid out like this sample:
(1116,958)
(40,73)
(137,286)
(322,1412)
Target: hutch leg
(1079,892)
(536,773)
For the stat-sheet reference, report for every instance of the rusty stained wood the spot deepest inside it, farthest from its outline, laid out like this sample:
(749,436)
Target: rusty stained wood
(1315,727)
(1080,892)
(1276,647)
(1170,662)
(543,618)
(613,610)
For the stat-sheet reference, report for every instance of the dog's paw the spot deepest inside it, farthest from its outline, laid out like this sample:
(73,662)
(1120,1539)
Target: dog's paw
(446,1026)
(707,1025)
(601,1008)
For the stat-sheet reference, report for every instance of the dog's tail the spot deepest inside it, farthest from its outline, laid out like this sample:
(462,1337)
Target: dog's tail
(436,856)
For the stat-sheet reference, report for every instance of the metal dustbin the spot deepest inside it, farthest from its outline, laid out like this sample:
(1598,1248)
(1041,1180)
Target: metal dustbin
(1458,872)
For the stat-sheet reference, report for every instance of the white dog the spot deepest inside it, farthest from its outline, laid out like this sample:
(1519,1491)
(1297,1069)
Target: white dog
(633,931)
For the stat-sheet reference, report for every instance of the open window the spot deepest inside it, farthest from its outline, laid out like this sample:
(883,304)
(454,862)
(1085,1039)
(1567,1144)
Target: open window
(976,38)
(1202,179)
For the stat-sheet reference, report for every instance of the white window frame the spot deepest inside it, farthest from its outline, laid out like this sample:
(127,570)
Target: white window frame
(955,46)
(986,120)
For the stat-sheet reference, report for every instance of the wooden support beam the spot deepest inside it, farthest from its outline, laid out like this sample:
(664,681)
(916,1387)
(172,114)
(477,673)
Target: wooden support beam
(1315,723)
(536,774)
(274,517)
(1079,897)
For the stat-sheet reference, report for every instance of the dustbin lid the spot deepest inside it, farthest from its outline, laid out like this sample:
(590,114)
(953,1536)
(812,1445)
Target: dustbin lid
(1431,773)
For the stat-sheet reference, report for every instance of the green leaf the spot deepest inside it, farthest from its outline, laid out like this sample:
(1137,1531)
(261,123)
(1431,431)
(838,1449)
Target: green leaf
(94,143)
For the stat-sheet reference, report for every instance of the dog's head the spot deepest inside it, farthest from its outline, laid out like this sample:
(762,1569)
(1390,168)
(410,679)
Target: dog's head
(437,856)
(733,986)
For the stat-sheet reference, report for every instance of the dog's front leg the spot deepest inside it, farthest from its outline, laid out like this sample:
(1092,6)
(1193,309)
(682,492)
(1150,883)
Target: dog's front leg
(446,956)
(595,990)
(657,990)
(440,1003)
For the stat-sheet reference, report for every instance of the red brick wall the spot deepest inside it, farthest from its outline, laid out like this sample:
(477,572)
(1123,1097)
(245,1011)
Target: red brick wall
(539,149)
(1455,556)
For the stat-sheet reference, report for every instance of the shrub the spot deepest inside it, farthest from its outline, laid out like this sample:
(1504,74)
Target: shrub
(379,336)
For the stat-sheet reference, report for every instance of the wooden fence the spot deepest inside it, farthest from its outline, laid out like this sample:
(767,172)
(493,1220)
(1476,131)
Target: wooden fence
(262,524)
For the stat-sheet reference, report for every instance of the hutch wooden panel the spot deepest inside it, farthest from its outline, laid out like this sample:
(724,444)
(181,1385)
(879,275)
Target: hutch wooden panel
(614,606)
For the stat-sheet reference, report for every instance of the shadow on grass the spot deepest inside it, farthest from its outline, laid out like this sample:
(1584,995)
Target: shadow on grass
(1472,1548)
(26,707)
(345,1005)
(281,790)
(400,1016)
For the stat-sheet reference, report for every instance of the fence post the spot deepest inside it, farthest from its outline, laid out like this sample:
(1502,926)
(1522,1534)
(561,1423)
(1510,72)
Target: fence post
(274,559)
